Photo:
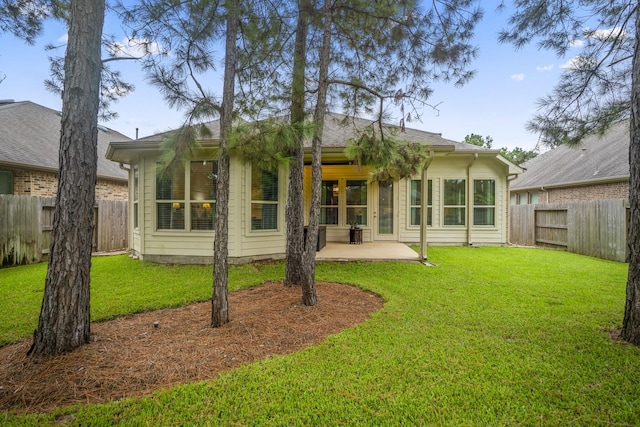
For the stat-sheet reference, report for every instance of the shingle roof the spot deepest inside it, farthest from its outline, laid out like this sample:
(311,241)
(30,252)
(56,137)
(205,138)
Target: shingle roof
(597,158)
(338,128)
(30,137)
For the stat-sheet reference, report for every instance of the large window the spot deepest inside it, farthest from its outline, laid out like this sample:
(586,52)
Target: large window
(356,202)
(454,201)
(416,201)
(264,199)
(329,202)
(170,201)
(6,182)
(203,181)
(174,205)
(484,202)
(136,195)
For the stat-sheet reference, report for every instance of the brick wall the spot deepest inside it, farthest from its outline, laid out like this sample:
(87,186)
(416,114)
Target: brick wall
(36,183)
(614,190)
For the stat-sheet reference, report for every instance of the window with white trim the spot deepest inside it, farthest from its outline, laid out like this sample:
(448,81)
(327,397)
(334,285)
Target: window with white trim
(356,190)
(264,199)
(329,202)
(454,201)
(178,210)
(415,201)
(136,195)
(203,181)
(484,202)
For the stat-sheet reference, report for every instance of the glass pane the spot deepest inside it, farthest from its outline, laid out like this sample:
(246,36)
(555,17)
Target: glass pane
(385,208)
(356,192)
(264,184)
(454,216)
(329,194)
(170,183)
(416,190)
(357,216)
(135,215)
(329,216)
(204,177)
(203,216)
(264,216)
(484,192)
(170,216)
(454,192)
(136,179)
(484,216)
(6,182)
(415,216)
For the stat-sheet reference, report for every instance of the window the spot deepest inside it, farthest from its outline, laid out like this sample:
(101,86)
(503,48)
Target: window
(416,201)
(484,202)
(170,200)
(264,199)
(6,182)
(329,203)
(174,205)
(203,181)
(356,202)
(454,201)
(136,195)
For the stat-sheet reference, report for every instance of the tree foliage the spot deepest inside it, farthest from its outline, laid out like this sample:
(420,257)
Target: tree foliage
(599,87)
(594,90)
(517,155)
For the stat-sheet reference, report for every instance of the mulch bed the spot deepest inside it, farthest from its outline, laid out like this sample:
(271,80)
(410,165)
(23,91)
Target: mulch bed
(128,356)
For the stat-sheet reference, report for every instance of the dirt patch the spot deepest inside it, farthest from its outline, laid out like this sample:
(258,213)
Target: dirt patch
(129,356)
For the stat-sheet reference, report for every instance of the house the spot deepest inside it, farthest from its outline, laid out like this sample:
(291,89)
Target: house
(596,170)
(172,214)
(29,146)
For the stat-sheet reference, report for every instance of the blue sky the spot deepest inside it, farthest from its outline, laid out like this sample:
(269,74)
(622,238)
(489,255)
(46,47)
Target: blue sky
(497,103)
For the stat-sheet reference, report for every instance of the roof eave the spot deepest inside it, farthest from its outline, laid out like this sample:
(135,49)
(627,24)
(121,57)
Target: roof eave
(583,182)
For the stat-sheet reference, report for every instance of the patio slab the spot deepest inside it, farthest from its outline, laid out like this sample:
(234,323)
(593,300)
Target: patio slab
(379,251)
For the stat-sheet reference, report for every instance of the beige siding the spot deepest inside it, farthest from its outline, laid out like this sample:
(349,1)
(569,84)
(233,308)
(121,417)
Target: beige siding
(447,167)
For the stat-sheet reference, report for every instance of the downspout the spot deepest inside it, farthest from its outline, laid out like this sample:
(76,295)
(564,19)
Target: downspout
(470,198)
(424,208)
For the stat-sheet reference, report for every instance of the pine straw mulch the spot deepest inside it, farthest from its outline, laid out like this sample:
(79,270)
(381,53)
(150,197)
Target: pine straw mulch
(128,356)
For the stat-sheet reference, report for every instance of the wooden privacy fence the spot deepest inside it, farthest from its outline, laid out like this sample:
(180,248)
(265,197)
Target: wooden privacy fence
(26,223)
(596,228)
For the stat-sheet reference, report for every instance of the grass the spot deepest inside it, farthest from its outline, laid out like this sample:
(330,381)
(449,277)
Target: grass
(492,336)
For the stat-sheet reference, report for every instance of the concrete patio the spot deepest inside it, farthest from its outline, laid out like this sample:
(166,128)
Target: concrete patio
(378,251)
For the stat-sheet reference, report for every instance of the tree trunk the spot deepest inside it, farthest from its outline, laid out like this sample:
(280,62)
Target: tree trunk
(65,322)
(219,301)
(309,265)
(631,322)
(295,201)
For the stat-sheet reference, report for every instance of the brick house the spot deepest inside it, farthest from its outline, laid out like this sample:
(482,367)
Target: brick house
(29,146)
(596,170)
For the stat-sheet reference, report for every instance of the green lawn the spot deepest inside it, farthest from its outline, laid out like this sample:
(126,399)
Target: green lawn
(491,336)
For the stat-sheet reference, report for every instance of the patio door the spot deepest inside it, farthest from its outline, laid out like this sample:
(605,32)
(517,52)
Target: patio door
(385,212)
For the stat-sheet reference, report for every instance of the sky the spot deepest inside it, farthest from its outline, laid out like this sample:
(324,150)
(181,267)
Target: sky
(497,102)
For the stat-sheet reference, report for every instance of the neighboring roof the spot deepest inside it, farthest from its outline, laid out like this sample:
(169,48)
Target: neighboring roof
(30,139)
(597,159)
(338,128)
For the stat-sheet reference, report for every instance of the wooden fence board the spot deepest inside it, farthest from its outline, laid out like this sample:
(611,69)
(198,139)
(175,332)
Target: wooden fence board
(26,223)
(596,228)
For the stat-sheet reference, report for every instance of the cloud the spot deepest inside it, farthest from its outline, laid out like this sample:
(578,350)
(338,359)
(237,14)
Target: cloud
(609,34)
(545,68)
(134,48)
(64,38)
(578,63)
(576,43)
(517,77)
